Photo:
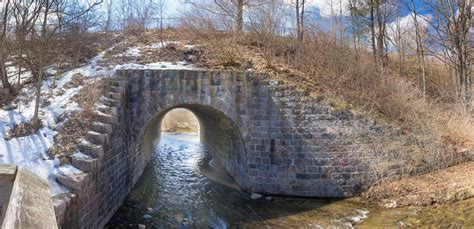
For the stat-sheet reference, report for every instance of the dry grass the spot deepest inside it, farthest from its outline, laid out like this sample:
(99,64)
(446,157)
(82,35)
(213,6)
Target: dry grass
(426,134)
(69,133)
(418,132)
(170,52)
(443,187)
(23,129)
(75,126)
(76,81)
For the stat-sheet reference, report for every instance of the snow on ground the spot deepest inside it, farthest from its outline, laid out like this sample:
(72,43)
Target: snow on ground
(133,51)
(30,151)
(165,43)
(158,65)
(12,72)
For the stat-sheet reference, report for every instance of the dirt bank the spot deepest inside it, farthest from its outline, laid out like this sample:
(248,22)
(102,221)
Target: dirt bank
(440,187)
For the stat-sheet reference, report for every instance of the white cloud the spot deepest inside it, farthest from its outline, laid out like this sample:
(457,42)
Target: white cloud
(328,8)
(406,26)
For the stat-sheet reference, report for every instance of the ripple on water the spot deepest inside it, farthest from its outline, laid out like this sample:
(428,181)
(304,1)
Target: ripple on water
(180,196)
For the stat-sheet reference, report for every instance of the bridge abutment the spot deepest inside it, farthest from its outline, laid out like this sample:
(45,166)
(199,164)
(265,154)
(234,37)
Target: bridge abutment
(270,137)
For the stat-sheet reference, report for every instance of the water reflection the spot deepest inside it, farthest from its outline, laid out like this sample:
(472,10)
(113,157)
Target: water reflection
(174,193)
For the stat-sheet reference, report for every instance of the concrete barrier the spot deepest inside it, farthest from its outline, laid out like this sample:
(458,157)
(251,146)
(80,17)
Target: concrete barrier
(25,200)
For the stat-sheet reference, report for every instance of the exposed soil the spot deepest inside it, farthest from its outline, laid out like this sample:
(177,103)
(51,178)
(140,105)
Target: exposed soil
(441,187)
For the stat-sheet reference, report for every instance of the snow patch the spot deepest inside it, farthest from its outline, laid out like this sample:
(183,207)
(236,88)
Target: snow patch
(132,52)
(30,151)
(362,214)
(159,65)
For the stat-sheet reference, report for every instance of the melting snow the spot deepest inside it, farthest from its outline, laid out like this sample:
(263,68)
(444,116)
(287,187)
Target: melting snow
(30,151)
(158,65)
(362,214)
(132,51)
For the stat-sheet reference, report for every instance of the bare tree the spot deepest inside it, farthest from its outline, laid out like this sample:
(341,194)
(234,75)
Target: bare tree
(396,37)
(42,46)
(161,5)
(451,23)
(380,14)
(358,11)
(135,14)
(109,15)
(300,8)
(41,42)
(420,48)
(265,20)
(233,9)
(380,34)
(76,32)
(3,47)
(372,27)
(26,14)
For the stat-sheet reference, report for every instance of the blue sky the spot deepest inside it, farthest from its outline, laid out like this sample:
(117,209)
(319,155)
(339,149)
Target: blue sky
(174,7)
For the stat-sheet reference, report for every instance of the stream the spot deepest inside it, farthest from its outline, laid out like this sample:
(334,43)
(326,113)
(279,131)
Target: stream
(179,189)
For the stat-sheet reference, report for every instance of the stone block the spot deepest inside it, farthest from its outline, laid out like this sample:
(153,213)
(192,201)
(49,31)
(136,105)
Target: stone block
(109,102)
(61,204)
(74,181)
(86,147)
(106,118)
(102,128)
(97,138)
(107,110)
(84,163)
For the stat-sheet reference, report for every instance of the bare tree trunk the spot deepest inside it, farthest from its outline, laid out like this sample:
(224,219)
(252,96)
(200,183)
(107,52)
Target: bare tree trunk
(41,56)
(161,9)
(372,30)
(451,25)
(341,23)
(3,71)
(240,16)
(353,9)
(109,17)
(298,25)
(18,84)
(380,37)
(419,48)
(300,10)
(334,22)
(303,5)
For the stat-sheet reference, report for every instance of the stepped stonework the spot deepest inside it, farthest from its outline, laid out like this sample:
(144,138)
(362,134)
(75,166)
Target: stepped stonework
(269,136)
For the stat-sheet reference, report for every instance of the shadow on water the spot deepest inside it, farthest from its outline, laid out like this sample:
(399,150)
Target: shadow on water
(179,189)
(175,191)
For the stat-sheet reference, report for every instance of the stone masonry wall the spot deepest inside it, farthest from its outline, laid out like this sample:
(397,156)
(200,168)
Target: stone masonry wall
(110,163)
(269,136)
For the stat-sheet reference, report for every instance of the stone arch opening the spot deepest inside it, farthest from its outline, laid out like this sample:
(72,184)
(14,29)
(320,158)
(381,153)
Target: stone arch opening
(218,133)
(180,120)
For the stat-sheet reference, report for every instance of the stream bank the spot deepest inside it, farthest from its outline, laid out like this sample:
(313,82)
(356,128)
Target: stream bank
(178,190)
(445,186)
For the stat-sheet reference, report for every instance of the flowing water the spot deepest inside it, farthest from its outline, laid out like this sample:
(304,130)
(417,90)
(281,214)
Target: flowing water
(179,189)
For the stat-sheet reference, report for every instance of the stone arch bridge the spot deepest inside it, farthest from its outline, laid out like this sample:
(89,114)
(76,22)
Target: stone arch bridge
(269,136)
